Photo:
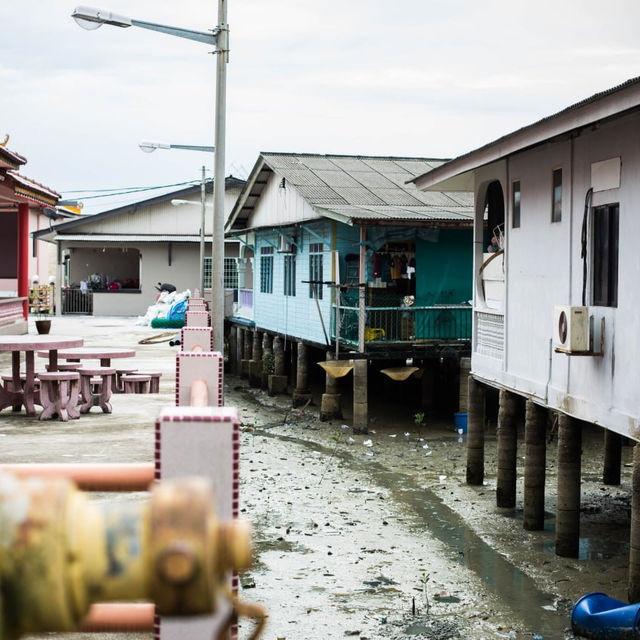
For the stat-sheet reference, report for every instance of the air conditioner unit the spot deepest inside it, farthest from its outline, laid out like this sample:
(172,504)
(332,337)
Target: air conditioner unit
(284,245)
(571,329)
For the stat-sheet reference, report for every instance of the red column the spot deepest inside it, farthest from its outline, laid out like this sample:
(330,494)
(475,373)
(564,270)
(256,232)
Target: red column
(23,256)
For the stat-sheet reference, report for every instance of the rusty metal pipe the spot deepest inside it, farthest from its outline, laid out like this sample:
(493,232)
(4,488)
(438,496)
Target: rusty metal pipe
(90,477)
(119,616)
(199,394)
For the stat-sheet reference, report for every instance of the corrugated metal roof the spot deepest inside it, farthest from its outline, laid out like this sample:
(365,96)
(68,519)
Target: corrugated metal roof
(127,238)
(376,185)
(351,213)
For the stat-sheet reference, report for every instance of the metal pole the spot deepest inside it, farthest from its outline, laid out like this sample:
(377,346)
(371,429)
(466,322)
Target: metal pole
(202,204)
(217,258)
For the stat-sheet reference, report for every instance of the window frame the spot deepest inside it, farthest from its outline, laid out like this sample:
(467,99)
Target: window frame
(605,234)
(289,275)
(316,269)
(556,203)
(516,205)
(266,269)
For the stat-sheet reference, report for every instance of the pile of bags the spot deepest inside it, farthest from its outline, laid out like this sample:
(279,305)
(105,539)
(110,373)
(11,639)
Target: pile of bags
(169,305)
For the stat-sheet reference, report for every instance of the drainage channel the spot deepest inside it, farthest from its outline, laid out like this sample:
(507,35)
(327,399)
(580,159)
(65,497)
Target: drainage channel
(515,589)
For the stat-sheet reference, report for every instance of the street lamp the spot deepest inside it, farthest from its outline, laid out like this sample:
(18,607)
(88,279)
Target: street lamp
(150,147)
(90,18)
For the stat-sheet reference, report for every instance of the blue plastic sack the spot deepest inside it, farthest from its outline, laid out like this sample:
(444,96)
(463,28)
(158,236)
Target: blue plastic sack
(177,310)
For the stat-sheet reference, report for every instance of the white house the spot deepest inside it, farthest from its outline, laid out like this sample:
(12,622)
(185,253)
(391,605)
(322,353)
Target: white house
(109,263)
(555,311)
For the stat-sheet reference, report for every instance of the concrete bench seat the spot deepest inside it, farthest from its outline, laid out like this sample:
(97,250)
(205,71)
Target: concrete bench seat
(96,385)
(154,384)
(119,386)
(136,383)
(59,394)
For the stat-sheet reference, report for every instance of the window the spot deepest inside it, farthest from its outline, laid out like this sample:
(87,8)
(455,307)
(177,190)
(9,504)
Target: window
(515,208)
(556,202)
(230,273)
(290,275)
(605,255)
(315,270)
(266,269)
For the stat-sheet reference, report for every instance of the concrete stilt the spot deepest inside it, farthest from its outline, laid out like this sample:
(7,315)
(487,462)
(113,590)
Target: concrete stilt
(278,380)
(568,509)
(330,406)
(360,399)
(233,347)
(267,359)
(248,351)
(535,455)
(301,394)
(239,351)
(475,432)
(507,450)
(612,457)
(463,396)
(633,593)
(255,366)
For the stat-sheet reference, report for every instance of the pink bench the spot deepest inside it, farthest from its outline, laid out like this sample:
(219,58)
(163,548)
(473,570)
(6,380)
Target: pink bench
(59,394)
(95,388)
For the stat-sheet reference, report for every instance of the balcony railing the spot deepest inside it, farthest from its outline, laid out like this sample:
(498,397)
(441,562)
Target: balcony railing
(405,324)
(243,303)
(77,301)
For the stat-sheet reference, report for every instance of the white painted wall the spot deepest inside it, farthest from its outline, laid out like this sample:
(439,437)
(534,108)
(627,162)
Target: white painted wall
(279,205)
(544,269)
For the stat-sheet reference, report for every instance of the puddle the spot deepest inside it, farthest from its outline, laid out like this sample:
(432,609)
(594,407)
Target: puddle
(515,589)
(592,549)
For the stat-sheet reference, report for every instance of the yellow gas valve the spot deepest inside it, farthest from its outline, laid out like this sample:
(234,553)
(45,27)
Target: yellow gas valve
(60,553)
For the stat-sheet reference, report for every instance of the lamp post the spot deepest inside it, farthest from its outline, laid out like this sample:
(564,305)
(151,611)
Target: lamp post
(150,147)
(90,18)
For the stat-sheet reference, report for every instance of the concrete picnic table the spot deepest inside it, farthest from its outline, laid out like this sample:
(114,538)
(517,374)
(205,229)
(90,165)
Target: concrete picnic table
(30,344)
(104,354)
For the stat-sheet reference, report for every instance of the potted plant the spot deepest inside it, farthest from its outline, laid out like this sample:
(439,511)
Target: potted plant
(43,323)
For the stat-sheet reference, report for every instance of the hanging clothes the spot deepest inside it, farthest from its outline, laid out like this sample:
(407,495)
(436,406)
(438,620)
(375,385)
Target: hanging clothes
(396,263)
(385,268)
(376,264)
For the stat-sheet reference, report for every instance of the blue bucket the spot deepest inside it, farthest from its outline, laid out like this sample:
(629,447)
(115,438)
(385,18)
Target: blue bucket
(599,617)
(460,422)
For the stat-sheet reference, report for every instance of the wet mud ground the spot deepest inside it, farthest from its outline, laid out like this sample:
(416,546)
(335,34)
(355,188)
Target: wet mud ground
(365,536)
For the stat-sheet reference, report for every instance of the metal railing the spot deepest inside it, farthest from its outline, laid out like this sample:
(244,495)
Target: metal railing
(405,324)
(77,301)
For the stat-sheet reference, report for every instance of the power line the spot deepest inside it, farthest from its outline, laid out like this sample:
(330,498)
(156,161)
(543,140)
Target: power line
(124,190)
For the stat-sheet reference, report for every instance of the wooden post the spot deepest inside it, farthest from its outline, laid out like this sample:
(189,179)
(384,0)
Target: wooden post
(507,450)
(360,398)
(255,366)
(330,406)
(268,360)
(612,457)
(535,454)
(568,508)
(475,432)
(633,593)
(301,393)
(233,347)
(239,351)
(277,382)
(362,291)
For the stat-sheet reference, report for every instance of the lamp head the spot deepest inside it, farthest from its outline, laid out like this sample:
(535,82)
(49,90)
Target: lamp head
(150,147)
(90,18)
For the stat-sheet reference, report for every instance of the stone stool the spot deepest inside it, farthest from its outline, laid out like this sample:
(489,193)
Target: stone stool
(59,394)
(95,388)
(12,387)
(66,366)
(119,385)
(136,383)
(154,385)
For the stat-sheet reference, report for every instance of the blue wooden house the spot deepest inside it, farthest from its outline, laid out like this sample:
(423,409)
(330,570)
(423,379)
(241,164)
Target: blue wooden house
(344,250)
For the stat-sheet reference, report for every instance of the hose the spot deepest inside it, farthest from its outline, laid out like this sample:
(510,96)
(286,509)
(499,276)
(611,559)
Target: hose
(165,336)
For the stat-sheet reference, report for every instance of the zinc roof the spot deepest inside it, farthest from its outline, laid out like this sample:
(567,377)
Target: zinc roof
(355,188)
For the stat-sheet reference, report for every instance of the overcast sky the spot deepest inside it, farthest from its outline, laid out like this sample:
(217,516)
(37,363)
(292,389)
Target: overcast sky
(430,78)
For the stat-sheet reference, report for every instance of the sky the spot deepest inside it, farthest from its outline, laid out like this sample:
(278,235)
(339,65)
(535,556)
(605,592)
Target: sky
(413,78)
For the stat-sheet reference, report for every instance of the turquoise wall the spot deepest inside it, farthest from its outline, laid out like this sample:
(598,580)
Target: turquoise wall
(444,269)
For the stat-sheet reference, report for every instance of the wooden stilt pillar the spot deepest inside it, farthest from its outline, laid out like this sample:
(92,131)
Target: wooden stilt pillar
(475,432)
(330,405)
(360,398)
(633,593)
(247,353)
(267,359)
(507,450)
(278,381)
(612,457)
(535,455)
(301,394)
(255,366)
(568,508)
(233,348)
